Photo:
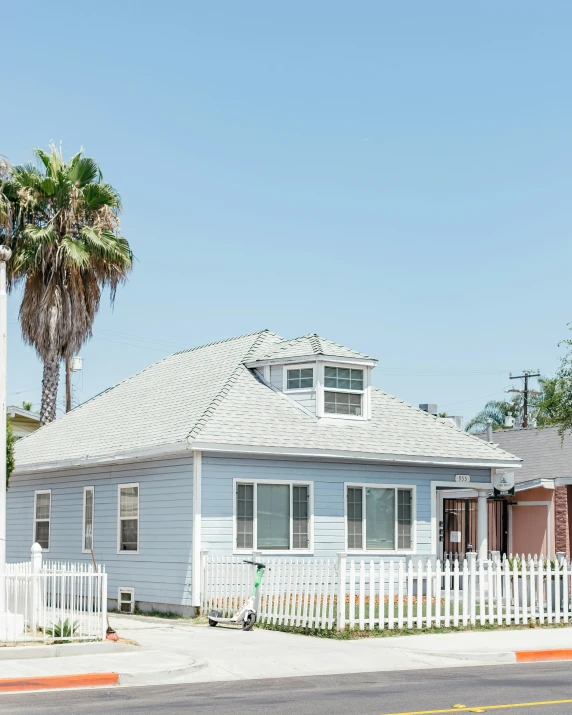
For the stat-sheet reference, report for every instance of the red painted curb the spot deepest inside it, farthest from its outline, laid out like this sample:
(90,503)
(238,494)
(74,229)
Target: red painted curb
(534,656)
(50,682)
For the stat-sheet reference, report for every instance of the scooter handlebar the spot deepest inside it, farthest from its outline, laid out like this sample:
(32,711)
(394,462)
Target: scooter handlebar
(255,563)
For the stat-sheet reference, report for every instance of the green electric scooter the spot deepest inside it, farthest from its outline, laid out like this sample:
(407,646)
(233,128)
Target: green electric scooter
(247,613)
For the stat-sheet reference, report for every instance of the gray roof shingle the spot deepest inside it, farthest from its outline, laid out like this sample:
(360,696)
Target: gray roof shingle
(311,344)
(544,454)
(208,395)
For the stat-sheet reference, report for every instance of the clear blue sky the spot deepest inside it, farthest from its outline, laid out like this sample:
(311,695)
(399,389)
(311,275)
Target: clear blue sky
(392,175)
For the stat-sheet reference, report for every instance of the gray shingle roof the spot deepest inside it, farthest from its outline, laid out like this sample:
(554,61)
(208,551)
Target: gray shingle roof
(208,395)
(310,345)
(544,454)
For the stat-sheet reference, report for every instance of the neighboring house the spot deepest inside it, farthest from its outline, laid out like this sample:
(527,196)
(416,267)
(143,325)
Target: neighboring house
(252,443)
(538,514)
(24,422)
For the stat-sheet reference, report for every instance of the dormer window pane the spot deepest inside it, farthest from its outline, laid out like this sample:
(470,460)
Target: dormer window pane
(299,379)
(343,378)
(342,403)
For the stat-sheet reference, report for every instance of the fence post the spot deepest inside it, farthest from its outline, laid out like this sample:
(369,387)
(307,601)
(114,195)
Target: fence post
(203,583)
(36,564)
(341,605)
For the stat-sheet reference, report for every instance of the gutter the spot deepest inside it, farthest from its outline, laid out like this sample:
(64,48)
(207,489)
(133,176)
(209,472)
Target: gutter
(179,448)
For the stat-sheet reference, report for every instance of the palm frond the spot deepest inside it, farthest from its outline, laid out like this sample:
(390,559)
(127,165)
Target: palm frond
(98,195)
(84,171)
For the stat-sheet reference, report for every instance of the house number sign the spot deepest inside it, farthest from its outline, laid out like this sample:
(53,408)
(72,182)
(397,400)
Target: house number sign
(463,478)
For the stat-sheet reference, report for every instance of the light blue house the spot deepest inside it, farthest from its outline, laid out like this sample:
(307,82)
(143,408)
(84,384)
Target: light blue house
(251,443)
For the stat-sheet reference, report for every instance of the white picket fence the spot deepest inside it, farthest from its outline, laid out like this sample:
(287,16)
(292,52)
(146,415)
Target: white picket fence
(386,594)
(41,598)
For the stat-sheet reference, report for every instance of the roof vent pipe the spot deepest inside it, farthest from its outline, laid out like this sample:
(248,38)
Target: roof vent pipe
(489,429)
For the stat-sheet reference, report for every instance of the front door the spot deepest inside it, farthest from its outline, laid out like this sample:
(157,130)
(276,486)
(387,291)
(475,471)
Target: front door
(460,526)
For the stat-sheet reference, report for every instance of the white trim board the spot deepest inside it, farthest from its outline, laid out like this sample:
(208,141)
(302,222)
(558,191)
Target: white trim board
(197,529)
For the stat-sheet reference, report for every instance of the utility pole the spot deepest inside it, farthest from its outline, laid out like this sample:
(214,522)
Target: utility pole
(526,375)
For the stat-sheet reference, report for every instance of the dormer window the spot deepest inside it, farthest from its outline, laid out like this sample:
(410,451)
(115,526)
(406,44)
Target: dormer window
(300,378)
(343,393)
(343,378)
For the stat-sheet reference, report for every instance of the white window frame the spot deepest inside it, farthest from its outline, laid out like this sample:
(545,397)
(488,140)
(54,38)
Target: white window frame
(322,389)
(119,520)
(83,549)
(131,591)
(49,519)
(301,366)
(364,485)
(291,483)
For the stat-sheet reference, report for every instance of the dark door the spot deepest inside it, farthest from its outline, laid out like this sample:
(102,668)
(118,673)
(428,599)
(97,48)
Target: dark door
(460,526)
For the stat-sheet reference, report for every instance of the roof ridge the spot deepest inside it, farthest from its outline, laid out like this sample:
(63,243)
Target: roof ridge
(223,392)
(145,369)
(219,342)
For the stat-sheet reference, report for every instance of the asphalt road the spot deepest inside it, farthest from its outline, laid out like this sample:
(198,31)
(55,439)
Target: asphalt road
(385,693)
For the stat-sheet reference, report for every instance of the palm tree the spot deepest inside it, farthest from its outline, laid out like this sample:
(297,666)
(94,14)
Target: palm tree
(66,250)
(495,410)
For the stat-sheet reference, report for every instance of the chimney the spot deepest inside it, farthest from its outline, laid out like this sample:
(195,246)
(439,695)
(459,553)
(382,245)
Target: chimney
(430,408)
(489,429)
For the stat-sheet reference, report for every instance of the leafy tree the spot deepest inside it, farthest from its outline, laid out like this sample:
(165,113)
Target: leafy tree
(27,405)
(10,439)
(63,229)
(556,399)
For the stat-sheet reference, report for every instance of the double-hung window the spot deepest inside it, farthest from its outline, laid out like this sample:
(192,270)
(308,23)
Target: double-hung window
(379,518)
(128,536)
(343,391)
(88,507)
(42,514)
(272,516)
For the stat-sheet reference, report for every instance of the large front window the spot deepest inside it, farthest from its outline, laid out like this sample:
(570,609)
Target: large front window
(379,518)
(272,517)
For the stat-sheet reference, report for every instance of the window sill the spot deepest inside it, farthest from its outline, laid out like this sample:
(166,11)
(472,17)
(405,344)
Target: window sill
(353,552)
(291,552)
(124,553)
(333,416)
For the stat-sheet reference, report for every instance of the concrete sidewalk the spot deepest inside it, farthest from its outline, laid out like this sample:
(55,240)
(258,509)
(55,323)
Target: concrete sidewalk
(177,651)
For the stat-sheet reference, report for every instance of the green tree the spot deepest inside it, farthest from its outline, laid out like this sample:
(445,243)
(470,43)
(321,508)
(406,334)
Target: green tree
(63,228)
(10,440)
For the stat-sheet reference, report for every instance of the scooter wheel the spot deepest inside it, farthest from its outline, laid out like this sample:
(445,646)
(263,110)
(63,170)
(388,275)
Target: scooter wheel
(249,621)
(214,614)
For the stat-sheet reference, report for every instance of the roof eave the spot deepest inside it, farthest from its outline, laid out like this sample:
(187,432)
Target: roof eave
(114,458)
(366,362)
(351,455)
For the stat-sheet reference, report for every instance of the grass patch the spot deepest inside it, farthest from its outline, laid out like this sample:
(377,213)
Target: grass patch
(349,634)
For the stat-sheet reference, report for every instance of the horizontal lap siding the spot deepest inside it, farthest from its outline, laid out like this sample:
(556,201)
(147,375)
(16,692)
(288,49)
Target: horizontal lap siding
(161,571)
(329,509)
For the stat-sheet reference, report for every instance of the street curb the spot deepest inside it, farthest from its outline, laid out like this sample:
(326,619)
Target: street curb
(536,656)
(52,682)
(39,652)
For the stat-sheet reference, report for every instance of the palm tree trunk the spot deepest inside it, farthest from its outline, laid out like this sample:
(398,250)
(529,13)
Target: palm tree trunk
(49,390)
